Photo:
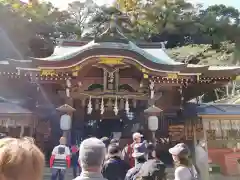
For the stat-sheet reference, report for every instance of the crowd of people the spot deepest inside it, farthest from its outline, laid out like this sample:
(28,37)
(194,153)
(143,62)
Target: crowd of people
(95,159)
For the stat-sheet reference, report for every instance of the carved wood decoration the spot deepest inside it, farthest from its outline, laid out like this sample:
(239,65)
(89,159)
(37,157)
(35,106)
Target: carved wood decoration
(111,67)
(118,79)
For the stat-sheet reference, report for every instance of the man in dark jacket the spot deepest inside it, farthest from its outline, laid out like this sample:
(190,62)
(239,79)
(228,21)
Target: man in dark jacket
(75,165)
(140,156)
(153,169)
(129,149)
(114,167)
(106,141)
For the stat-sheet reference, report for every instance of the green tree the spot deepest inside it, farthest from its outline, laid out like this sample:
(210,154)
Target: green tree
(31,26)
(103,18)
(79,13)
(220,23)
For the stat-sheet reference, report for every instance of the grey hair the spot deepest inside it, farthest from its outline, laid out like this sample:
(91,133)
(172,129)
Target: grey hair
(92,153)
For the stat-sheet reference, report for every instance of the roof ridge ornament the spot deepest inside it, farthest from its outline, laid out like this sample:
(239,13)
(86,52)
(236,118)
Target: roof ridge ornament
(113,32)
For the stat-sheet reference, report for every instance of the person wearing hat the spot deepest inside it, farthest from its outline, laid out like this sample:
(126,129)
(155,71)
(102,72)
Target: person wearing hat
(91,157)
(114,141)
(184,169)
(74,160)
(153,168)
(106,141)
(114,167)
(140,156)
(128,150)
(151,151)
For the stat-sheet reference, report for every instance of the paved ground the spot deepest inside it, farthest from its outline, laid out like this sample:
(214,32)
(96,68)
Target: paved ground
(47,175)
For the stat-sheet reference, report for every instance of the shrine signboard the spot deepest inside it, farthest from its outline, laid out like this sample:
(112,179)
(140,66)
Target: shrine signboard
(111,60)
(176,132)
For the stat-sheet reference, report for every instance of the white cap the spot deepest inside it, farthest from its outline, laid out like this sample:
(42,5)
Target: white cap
(136,135)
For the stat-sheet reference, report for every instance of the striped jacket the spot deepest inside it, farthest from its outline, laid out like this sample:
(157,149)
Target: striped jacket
(60,158)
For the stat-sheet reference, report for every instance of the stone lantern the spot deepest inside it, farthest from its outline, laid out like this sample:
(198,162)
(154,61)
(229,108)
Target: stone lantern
(152,112)
(66,120)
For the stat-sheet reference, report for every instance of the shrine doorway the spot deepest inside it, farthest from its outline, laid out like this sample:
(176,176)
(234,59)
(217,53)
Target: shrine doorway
(107,127)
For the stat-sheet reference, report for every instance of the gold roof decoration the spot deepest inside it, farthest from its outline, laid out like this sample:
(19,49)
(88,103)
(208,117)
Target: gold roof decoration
(66,108)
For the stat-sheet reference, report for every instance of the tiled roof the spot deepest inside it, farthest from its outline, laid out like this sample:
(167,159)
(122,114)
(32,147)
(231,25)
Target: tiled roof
(10,108)
(154,55)
(193,109)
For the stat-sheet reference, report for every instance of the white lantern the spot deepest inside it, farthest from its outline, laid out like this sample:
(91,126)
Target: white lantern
(65,122)
(153,123)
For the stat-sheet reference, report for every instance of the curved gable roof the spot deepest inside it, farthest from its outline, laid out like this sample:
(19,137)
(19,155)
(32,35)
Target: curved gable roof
(67,52)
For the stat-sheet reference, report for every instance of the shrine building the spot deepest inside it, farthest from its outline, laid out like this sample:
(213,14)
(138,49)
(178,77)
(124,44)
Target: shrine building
(110,81)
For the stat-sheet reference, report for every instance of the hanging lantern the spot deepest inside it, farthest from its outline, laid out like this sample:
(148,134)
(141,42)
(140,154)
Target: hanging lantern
(115,109)
(153,123)
(18,72)
(68,83)
(65,122)
(127,109)
(151,87)
(89,110)
(68,92)
(181,96)
(7,123)
(102,107)
(79,83)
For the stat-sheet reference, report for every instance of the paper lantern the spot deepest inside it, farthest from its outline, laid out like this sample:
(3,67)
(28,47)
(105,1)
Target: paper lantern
(65,122)
(153,123)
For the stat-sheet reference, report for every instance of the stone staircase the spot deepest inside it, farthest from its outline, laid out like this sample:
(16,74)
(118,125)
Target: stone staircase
(47,174)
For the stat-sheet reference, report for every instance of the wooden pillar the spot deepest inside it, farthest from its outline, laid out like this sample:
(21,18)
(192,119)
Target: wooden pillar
(117,80)
(105,76)
(78,118)
(69,101)
(207,176)
(33,126)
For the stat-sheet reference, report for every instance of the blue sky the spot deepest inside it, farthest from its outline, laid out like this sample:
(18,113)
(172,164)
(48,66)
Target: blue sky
(62,4)
(234,3)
